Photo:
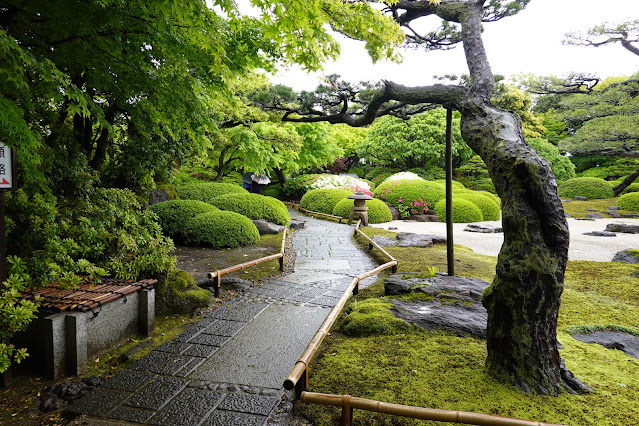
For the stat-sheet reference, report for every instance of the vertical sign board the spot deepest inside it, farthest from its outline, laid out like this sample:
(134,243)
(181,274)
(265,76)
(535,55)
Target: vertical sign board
(7,168)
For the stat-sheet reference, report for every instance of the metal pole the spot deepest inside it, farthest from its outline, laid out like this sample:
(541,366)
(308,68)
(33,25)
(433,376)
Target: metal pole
(450,255)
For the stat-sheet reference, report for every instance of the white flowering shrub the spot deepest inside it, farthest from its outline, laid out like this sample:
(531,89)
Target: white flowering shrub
(326,181)
(403,175)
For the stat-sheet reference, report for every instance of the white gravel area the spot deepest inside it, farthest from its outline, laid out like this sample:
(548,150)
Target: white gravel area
(582,247)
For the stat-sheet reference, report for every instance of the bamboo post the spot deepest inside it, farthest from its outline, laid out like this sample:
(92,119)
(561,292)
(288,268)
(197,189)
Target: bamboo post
(347,411)
(450,255)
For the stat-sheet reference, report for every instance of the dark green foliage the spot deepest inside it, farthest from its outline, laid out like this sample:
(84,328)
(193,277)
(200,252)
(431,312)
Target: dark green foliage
(220,229)
(592,188)
(179,294)
(422,173)
(464,211)
(489,208)
(612,168)
(373,317)
(378,211)
(323,200)
(474,175)
(296,187)
(254,206)
(410,196)
(629,201)
(175,214)
(274,191)
(207,191)
(377,171)
(102,233)
(359,171)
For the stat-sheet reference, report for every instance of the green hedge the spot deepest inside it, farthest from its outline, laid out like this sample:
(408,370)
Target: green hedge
(410,196)
(207,191)
(221,229)
(488,206)
(464,211)
(456,185)
(323,200)
(590,187)
(254,206)
(173,215)
(629,201)
(378,211)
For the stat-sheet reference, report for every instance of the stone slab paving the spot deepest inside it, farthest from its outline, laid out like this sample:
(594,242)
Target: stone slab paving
(228,369)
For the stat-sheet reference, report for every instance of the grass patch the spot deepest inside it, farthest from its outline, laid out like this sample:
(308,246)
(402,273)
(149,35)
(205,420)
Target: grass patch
(578,208)
(437,370)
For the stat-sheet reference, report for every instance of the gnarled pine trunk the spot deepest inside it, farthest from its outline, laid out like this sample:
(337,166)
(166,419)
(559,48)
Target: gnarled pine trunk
(523,300)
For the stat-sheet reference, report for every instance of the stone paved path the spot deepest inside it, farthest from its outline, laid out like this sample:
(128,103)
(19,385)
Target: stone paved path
(228,369)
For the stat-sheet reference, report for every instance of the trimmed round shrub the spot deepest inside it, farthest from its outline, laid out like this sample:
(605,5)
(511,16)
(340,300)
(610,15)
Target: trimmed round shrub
(378,211)
(372,317)
(464,211)
(173,215)
(274,191)
(489,208)
(221,229)
(456,185)
(590,187)
(633,187)
(410,196)
(629,201)
(254,206)
(207,191)
(323,200)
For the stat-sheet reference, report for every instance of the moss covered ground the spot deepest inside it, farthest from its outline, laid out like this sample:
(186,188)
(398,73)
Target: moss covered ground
(578,208)
(437,370)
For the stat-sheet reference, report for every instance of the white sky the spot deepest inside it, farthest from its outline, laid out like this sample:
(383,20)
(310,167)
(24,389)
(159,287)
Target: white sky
(529,42)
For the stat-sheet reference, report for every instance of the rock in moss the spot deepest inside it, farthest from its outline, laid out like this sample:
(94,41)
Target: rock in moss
(179,294)
(627,256)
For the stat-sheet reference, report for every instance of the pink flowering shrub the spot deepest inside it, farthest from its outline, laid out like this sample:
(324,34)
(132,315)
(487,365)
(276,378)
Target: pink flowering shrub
(410,197)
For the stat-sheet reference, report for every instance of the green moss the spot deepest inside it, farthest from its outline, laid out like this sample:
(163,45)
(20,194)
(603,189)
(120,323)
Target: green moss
(254,206)
(171,191)
(436,370)
(464,211)
(592,328)
(173,215)
(629,202)
(323,200)
(180,295)
(372,317)
(378,211)
(590,187)
(580,208)
(208,191)
(221,229)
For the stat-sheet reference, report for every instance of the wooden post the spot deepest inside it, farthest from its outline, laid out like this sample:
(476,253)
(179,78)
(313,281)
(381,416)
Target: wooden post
(450,255)
(302,384)
(347,411)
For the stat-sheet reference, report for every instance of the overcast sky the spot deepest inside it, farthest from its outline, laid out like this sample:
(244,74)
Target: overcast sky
(529,42)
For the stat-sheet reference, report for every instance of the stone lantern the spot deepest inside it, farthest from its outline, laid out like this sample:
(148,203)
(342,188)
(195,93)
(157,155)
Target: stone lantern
(359,207)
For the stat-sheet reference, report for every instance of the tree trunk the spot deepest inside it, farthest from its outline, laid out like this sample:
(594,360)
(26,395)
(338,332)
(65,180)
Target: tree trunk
(523,300)
(618,189)
(281,179)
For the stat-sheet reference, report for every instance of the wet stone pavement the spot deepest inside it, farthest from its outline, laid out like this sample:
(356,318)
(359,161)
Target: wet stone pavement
(228,369)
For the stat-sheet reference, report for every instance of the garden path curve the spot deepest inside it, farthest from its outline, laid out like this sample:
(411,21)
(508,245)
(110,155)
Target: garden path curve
(228,369)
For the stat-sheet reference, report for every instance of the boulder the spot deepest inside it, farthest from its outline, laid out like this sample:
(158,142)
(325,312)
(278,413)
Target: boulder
(623,227)
(455,306)
(385,241)
(394,211)
(296,224)
(265,228)
(613,208)
(594,215)
(425,218)
(612,213)
(612,340)
(483,228)
(409,239)
(626,256)
(579,198)
(601,234)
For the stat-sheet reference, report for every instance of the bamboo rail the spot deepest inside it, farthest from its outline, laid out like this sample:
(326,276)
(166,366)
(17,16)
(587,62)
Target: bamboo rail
(216,276)
(300,370)
(372,244)
(349,403)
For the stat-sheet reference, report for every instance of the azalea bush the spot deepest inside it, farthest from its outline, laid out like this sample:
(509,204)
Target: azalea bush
(296,187)
(403,176)
(410,196)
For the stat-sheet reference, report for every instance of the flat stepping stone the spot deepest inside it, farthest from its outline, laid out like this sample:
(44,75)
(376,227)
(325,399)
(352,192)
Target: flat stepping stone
(612,340)
(622,227)
(484,229)
(601,234)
